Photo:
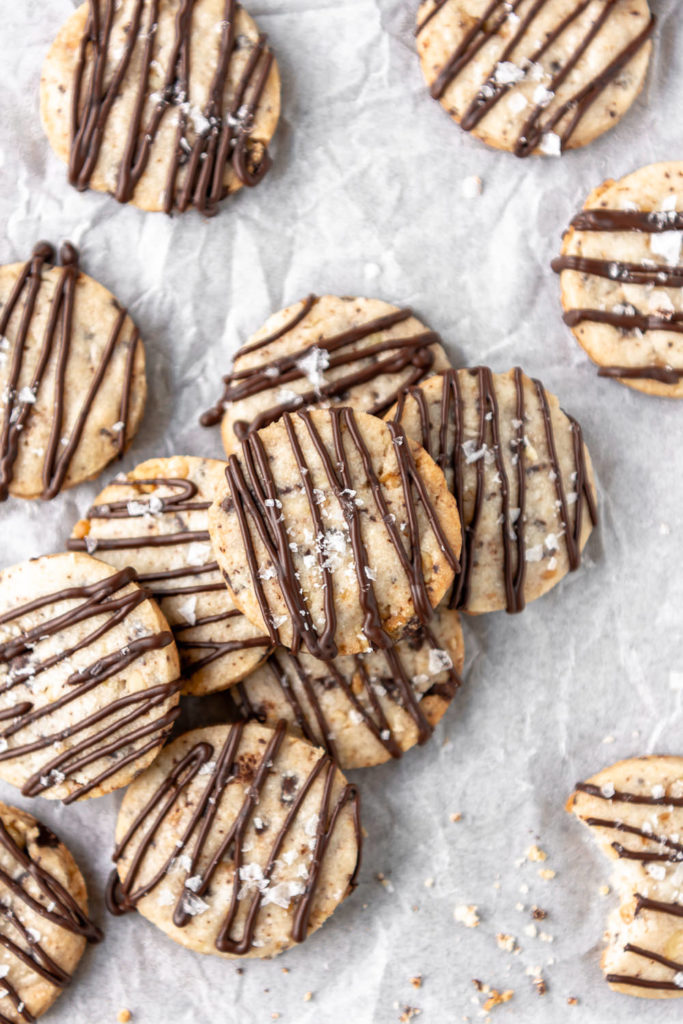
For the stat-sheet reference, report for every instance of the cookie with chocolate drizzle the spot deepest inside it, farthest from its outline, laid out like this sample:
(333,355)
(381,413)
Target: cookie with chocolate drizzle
(635,811)
(535,76)
(324,350)
(335,531)
(155,518)
(88,677)
(164,104)
(239,841)
(521,475)
(365,708)
(44,924)
(72,375)
(621,275)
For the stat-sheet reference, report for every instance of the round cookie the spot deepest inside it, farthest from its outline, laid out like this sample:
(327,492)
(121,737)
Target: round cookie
(521,476)
(366,708)
(44,925)
(635,810)
(535,76)
(621,274)
(155,518)
(324,350)
(88,677)
(72,375)
(335,531)
(238,841)
(165,104)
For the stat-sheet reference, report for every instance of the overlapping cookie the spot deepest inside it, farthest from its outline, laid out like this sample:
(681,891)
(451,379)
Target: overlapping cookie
(238,841)
(635,810)
(366,708)
(165,104)
(44,924)
(324,351)
(155,518)
(535,76)
(622,279)
(335,531)
(88,677)
(521,475)
(72,375)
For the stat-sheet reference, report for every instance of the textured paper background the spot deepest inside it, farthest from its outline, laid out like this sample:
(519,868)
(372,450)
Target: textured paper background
(365,198)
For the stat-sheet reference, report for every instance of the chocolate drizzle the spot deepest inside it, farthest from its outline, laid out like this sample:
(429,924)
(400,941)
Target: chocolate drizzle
(392,356)
(119,719)
(448,451)
(649,273)
(255,496)
(309,713)
(186,581)
(57,339)
(491,91)
(55,904)
(225,137)
(653,848)
(123,895)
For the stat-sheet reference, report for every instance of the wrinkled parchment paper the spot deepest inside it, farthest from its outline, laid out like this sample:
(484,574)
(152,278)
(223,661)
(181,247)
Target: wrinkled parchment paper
(366,198)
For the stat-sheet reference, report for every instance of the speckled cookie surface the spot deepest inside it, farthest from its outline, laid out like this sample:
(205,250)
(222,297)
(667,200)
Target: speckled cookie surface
(325,350)
(622,279)
(44,926)
(535,77)
(72,375)
(366,708)
(521,475)
(635,810)
(176,102)
(88,672)
(239,840)
(334,531)
(156,519)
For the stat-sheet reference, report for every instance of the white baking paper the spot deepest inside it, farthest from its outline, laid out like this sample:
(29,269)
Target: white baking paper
(366,197)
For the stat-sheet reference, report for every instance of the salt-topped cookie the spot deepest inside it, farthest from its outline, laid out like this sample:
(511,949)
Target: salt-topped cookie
(621,274)
(335,531)
(535,76)
(521,475)
(366,708)
(324,350)
(44,924)
(155,518)
(88,677)
(238,841)
(635,811)
(162,104)
(72,375)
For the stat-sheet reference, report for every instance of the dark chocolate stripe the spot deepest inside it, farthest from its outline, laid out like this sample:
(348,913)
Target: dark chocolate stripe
(123,896)
(225,140)
(490,23)
(56,341)
(629,798)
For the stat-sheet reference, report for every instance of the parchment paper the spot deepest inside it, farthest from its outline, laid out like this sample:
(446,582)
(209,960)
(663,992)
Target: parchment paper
(366,198)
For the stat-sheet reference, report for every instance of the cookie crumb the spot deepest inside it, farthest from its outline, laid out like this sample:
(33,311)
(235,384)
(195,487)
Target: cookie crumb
(456,816)
(429,882)
(123,1016)
(572,1001)
(546,874)
(416,982)
(307,997)
(540,986)
(604,890)
(472,186)
(466,914)
(506,942)
(538,914)
(535,853)
(408,1013)
(496,998)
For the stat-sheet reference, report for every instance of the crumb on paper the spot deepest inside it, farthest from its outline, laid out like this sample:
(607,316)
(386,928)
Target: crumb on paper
(472,186)
(429,882)
(466,914)
(388,885)
(495,997)
(538,913)
(123,1016)
(456,816)
(308,996)
(408,1013)
(508,943)
(608,739)
(572,1001)
(546,874)
(416,982)
(604,890)
(540,985)
(535,853)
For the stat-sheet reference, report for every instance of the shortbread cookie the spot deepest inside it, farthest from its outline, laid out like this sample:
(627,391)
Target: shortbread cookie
(622,279)
(239,841)
(324,351)
(366,708)
(521,476)
(636,811)
(165,104)
(335,531)
(535,76)
(44,924)
(156,519)
(72,375)
(88,677)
